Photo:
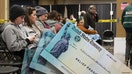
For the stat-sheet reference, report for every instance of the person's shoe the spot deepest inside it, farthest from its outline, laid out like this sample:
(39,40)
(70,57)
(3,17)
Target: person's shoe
(126,63)
(131,63)
(130,66)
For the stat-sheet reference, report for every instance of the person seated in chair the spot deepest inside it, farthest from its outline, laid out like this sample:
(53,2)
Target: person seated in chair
(91,32)
(15,40)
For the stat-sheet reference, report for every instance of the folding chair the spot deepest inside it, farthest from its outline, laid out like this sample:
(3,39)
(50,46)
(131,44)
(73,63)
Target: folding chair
(108,40)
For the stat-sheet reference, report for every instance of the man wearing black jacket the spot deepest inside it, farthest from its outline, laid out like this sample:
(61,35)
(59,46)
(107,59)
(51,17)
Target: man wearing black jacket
(91,17)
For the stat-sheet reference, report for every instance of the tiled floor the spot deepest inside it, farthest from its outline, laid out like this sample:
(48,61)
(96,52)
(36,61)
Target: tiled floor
(118,49)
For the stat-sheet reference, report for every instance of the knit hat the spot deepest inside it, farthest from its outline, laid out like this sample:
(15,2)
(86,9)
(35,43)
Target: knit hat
(40,10)
(16,11)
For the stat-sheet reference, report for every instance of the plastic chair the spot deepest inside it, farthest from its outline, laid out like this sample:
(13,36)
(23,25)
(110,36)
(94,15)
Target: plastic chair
(108,40)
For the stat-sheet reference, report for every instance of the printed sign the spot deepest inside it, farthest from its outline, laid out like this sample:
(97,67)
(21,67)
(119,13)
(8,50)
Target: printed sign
(39,64)
(124,5)
(73,52)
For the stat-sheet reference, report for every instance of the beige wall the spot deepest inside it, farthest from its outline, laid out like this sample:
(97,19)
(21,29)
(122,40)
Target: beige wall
(4,7)
(88,1)
(120,32)
(48,2)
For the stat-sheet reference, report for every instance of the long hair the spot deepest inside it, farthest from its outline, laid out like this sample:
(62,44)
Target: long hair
(29,11)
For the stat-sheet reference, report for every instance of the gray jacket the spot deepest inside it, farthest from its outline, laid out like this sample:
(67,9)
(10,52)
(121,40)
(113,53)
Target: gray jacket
(14,38)
(30,32)
(41,25)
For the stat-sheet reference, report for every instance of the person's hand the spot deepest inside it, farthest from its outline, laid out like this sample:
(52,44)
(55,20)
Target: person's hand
(95,13)
(32,38)
(57,27)
(96,32)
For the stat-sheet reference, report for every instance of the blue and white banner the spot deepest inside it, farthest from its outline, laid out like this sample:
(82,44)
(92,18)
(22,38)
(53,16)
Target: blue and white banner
(72,52)
(39,63)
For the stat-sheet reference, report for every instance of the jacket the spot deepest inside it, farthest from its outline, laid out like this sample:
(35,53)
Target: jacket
(30,31)
(87,31)
(90,20)
(127,19)
(14,38)
(42,26)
